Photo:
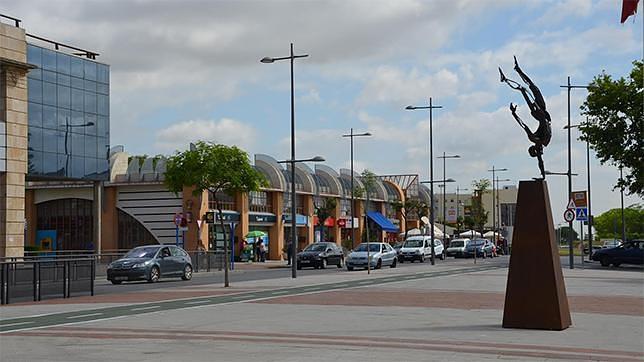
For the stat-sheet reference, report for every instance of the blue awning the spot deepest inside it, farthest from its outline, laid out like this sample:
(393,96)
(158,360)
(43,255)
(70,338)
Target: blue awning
(382,221)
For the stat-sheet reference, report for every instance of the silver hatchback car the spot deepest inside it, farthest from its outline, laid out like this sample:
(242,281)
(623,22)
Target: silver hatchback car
(380,254)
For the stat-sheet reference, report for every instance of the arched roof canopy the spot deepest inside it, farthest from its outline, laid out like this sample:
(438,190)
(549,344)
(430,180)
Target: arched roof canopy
(345,181)
(328,180)
(394,192)
(303,175)
(423,194)
(272,170)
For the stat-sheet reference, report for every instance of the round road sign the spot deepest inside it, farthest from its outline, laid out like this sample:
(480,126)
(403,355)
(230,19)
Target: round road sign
(569,215)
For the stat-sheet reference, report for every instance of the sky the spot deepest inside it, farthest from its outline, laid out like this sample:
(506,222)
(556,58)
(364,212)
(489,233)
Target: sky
(183,71)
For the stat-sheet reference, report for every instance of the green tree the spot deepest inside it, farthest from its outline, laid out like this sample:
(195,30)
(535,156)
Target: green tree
(615,110)
(324,211)
(217,168)
(609,223)
(563,232)
(410,207)
(478,214)
(369,181)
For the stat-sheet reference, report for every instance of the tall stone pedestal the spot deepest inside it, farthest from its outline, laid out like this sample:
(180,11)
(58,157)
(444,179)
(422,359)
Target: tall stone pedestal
(535,296)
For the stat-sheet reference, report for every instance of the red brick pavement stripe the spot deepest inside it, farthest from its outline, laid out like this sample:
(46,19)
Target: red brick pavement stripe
(351,341)
(618,305)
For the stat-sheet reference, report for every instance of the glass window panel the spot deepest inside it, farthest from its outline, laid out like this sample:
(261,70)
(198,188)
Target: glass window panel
(102,167)
(35,138)
(64,116)
(34,88)
(77,67)
(63,143)
(90,130)
(64,97)
(35,73)
(49,117)
(63,164)
(90,146)
(49,93)
(48,59)
(78,83)
(90,166)
(89,85)
(50,163)
(34,162)
(50,140)
(103,148)
(49,76)
(77,167)
(103,105)
(90,70)
(64,62)
(78,118)
(103,88)
(35,115)
(78,144)
(78,102)
(90,102)
(103,126)
(63,79)
(103,73)
(34,55)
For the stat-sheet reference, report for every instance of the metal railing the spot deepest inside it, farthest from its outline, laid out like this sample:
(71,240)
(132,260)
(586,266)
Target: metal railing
(24,278)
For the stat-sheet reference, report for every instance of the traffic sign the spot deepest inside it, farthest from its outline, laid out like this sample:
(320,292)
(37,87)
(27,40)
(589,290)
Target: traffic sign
(581,213)
(571,204)
(177,218)
(579,198)
(569,215)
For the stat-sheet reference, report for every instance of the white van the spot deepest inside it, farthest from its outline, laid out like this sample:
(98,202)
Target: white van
(457,247)
(420,248)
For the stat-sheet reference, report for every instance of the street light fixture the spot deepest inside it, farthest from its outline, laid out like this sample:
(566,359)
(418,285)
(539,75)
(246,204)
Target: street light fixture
(444,157)
(291,57)
(431,212)
(497,207)
(68,128)
(431,107)
(494,170)
(351,135)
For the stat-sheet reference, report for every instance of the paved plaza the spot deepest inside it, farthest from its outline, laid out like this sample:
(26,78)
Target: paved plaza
(420,313)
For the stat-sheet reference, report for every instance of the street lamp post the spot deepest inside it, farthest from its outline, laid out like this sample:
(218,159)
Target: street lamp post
(431,107)
(497,207)
(621,192)
(458,206)
(569,174)
(292,163)
(431,221)
(494,170)
(68,128)
(351,135)
(291,57)
(444,157)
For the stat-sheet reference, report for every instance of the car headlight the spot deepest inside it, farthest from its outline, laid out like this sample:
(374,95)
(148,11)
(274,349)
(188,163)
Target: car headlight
(417,251)
(140,265)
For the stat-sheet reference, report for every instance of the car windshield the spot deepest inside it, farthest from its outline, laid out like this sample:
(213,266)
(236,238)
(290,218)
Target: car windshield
(145,252)
(372,247)
(478,242)
(413,243)
(457,244)
(315,247)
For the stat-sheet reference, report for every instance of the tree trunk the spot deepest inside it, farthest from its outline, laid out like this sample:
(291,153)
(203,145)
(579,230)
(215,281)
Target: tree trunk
(223,228)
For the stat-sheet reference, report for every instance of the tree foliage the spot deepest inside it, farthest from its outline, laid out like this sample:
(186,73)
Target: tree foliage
(369,181)
(563,232)
(478,215)
(615,110)
(411,207)
(609,223)
(325,210)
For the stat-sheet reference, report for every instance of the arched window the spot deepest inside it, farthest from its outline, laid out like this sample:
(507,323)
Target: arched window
(132,233)
(73,221)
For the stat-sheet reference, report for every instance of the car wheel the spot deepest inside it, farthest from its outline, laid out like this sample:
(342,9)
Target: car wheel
(340,263)
(605,261)
(299,267)
(616,265)
(323,264)
(154,275)
(402,260)
(116,281)
(349,268)
(443,256)
(379,264)
(484,254)
(393,264)
(187,272)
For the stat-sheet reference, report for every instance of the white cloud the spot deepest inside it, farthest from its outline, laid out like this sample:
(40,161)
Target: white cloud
(225,131)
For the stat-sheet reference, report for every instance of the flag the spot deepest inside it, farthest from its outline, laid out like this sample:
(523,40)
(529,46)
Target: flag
(629,7)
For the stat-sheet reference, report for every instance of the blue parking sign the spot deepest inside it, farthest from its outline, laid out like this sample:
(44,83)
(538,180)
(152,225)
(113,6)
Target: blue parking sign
(581,214)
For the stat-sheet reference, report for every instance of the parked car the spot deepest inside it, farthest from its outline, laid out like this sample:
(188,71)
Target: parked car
(630,252)
(420,248)
(319,255)
(611,243)
(380,254)
(151,263)
(480,247)
(457,247)
(397,246)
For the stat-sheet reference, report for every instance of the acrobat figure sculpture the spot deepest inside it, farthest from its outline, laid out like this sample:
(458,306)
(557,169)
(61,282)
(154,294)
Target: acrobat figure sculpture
(541,137)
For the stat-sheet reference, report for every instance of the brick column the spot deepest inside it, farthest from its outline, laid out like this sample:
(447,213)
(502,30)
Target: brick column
(109,230)
(276,232)
(197,206)
(13,139)
(336,231)
(31,215)
(309,211)
(359,214)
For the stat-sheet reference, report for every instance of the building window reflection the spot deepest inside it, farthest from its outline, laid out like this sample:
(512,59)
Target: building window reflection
(72,219)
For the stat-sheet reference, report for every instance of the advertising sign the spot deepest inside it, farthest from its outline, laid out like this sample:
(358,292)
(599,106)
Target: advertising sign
(451,215)
(46,239)
(580,198)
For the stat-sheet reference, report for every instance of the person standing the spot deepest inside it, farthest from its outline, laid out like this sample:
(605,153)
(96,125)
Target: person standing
(289,251)
(262,251)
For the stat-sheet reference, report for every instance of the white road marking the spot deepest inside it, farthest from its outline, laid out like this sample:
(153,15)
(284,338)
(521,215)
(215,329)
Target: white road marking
(145,308)
(14,324)
(279,292)
(84,315)
(342,285)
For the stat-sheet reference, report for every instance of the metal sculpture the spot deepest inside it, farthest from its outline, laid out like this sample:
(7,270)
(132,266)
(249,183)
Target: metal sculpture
(534,98)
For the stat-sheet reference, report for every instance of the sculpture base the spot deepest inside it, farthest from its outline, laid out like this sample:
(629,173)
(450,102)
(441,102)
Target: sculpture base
(535,296)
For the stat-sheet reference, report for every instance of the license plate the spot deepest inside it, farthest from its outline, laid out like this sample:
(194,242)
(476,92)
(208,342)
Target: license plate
(120,278)
(305,261)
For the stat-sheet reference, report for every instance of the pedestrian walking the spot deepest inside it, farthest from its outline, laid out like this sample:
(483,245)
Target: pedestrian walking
(289,251)
(262,251)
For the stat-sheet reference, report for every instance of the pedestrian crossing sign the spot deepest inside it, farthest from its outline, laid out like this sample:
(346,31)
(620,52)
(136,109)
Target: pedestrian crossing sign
(581,214)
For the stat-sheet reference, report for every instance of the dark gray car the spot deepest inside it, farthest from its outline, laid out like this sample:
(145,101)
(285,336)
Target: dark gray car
(150,263)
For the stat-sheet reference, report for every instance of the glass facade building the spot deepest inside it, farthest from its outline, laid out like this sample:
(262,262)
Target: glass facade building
(69,116)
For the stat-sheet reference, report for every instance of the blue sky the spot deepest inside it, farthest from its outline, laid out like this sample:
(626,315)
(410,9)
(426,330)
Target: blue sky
(183,71)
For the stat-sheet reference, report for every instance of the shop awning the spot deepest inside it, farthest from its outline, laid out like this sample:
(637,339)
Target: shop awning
(382,221)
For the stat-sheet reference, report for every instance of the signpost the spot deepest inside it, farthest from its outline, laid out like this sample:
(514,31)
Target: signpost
(581,214)
(569,216)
